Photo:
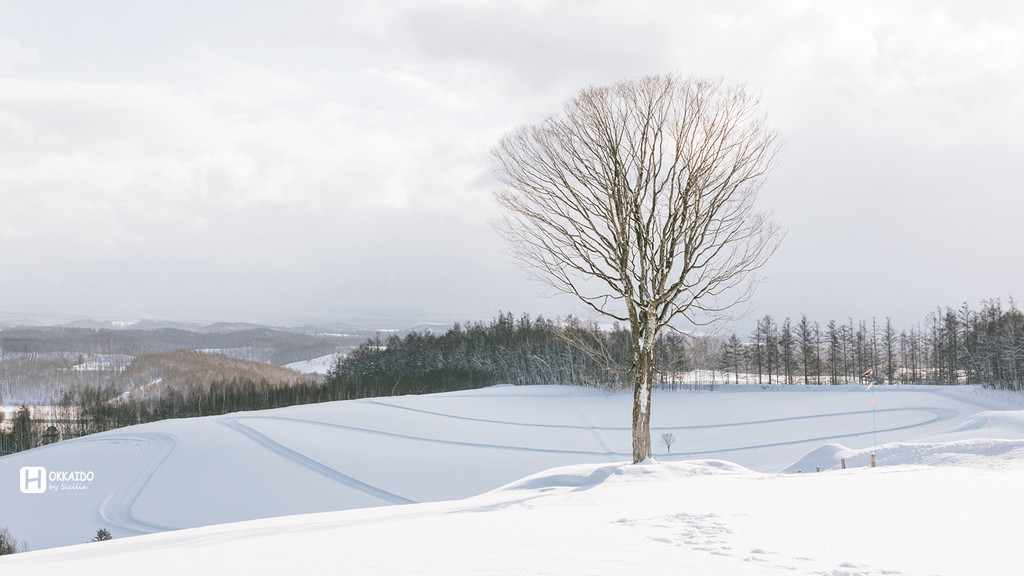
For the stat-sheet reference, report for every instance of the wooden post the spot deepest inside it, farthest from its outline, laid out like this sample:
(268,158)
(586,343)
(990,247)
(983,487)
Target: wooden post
(817,468)
(872,459)
(842,461)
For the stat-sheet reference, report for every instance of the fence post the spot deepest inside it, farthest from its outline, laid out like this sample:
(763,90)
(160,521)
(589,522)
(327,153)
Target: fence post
(842,461)
(872,459)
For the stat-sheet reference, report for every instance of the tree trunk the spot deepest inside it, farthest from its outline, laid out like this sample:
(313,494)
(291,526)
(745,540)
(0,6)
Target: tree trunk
(643,378)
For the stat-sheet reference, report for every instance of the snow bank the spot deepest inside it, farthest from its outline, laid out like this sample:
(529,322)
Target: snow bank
(587,476)
(688,517)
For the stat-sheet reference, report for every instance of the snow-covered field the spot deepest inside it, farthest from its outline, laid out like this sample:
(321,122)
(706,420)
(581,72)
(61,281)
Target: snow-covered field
(319,365)
(531,480)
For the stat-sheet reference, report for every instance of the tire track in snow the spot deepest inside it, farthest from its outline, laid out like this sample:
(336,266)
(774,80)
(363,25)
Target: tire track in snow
(939,414)
(116,508)
(313,465)
(490,421)
(947,413)
(439,440)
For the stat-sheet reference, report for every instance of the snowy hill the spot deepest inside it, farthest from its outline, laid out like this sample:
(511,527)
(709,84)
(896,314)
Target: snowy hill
(410,485)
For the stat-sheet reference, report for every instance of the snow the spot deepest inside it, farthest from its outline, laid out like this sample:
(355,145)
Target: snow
(103,362)
(514,480)
(319,365)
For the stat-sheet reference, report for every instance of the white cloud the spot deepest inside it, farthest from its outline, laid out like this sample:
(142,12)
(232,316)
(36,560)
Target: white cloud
(425,93)
(258,88)
(13,53)
(129,167)
(245,136)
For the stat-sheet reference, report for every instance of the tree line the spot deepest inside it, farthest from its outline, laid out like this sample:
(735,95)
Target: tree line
(951,346)
(961,346)
(507,350)
(89,410)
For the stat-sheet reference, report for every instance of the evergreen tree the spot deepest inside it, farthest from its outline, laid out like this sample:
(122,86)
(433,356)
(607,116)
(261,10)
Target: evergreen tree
(21,430)
(786,350)
(805,344)
(733,356)
(9,544)
(889,350)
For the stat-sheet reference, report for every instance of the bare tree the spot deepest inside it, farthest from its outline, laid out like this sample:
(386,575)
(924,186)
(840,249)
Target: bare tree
(9,544)
(667,439)
(639,200)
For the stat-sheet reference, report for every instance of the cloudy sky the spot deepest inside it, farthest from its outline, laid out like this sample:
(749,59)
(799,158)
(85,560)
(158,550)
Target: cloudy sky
(306,161)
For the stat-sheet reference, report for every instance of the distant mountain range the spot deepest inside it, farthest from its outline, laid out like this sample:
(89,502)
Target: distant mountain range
(43,357)
(361,323)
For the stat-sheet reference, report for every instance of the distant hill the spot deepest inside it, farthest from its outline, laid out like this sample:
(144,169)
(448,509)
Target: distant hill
(251,342)
(38,364)
(152,374)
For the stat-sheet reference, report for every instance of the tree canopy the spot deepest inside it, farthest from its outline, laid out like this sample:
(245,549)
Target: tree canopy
(638,198)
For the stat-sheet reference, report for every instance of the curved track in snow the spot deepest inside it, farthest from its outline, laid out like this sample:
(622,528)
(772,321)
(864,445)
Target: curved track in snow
(492,421)
(937,415)
(116,508)
(418,438)
(944,415)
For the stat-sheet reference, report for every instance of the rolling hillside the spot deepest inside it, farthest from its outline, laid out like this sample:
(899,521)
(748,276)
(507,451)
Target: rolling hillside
(179,474)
